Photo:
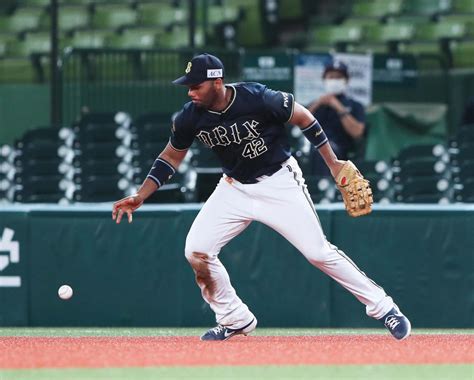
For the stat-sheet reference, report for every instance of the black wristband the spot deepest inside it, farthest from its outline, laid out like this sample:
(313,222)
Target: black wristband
(161,172)
(315,134)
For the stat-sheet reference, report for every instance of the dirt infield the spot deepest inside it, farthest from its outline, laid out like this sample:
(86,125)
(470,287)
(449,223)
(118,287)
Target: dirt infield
(98,352)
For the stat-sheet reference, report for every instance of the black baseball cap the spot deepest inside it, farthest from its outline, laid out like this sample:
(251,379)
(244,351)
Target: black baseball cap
(201,68)
(337,65)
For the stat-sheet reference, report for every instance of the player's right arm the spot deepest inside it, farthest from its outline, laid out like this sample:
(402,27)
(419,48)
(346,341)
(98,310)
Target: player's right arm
(169,156)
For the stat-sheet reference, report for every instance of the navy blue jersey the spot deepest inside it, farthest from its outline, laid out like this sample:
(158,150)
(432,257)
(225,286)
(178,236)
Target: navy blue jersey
(249,136)
(332,125)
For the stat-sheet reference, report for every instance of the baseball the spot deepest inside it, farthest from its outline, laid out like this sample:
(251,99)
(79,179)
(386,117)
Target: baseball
(65,292)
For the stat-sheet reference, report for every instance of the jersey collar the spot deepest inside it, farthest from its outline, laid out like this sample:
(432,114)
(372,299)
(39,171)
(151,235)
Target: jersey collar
(230,103)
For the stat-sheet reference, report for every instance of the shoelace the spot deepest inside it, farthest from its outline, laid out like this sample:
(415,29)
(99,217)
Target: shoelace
(392,322)
(218,329)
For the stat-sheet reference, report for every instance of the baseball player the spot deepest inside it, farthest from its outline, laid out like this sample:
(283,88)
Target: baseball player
(244,124)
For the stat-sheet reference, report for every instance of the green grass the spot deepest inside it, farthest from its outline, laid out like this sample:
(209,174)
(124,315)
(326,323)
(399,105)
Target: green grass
(372,372)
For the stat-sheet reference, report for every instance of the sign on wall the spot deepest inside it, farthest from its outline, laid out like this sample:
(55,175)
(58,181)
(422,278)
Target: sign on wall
(9,254)
(309,68)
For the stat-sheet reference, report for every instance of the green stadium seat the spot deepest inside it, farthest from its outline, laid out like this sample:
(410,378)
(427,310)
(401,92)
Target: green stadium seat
(409,19)
(161,15)
(70,18)
(178,37)
(389,33)
(462,6)
(113,16)
(462,54)
(217,14)
(441,30)
(360,21)
(141,38)
(368,48)
(39,42)
(377,8)
(420,48)
(427,7)
(333,35)
(90,38)
(24,19)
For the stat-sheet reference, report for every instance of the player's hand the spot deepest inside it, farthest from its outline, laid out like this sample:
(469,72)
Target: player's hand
(331,101)
(126,205)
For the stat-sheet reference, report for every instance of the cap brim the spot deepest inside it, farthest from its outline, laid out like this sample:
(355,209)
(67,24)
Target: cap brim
(186,81)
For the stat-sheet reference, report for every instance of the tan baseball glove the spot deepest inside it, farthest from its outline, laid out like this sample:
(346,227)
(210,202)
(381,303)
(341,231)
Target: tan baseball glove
(355,190)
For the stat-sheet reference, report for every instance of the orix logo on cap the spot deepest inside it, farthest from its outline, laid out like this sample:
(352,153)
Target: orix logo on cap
(188,67)
(214,73)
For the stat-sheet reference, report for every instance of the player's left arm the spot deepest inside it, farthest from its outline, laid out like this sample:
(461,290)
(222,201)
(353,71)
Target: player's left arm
(315,134)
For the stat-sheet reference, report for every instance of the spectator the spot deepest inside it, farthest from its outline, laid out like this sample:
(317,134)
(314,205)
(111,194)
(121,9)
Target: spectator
(343,118)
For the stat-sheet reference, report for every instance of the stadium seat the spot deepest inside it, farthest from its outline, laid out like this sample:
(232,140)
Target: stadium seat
(321,189)
(70,18)
(427,7)
(113,16)
(423,190)
(464,192)
(139,38)
(178,37)
(161,15)
(217,14)
(392,32)
(153,127)
(98,188)
(31,44)
(86,166)
(23,20)
(90,38)
(334,35)
(420,167)
(462,6)
(415,151)
(38,188)
(377,8)
(36,166)
(441,30)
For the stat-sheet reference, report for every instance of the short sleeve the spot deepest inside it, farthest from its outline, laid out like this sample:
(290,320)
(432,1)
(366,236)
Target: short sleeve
(279,104)
(358,112)
(182,132)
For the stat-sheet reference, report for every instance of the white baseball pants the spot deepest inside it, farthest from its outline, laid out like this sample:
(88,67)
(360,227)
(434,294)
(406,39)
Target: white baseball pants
(282,202)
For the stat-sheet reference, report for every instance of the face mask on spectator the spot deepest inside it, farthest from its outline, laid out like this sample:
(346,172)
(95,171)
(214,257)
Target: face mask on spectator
(335,86)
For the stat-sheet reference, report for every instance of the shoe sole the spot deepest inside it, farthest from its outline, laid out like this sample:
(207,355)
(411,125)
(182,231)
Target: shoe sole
(408,332)
(246,330)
